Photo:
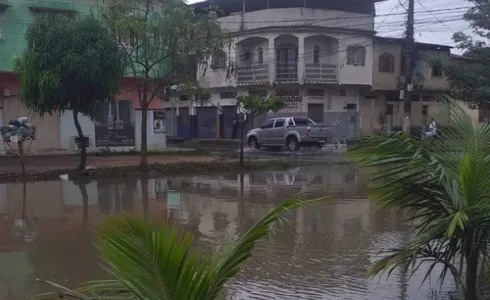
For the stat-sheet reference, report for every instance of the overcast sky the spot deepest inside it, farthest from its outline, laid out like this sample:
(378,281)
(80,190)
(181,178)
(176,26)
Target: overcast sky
(435,20)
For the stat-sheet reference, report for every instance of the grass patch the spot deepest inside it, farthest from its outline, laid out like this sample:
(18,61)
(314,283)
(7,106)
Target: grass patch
(155,170)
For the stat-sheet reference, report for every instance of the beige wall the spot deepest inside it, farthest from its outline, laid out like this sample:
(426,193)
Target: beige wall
(430,82)
(389,81)
(47,127)
(386,81)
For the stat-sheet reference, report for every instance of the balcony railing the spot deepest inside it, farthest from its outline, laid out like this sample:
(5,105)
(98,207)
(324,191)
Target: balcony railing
(287,71)
(253,74)
(321,73)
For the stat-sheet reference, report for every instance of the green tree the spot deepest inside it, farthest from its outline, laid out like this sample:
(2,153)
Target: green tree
(252,106)
(443,185)
(471,80)
(159,263)
(162,40)
(70,63)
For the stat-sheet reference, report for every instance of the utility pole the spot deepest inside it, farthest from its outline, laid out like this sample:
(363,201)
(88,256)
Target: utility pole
(409,51)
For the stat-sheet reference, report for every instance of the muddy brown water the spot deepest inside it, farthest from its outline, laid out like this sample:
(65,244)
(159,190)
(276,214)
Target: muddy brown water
(45,232)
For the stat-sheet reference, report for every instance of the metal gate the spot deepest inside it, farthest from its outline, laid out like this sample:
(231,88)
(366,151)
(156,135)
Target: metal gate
(47,128)
(170,121)
(315,112)
(183,123)
(206,122)
(344,124)
(229,113)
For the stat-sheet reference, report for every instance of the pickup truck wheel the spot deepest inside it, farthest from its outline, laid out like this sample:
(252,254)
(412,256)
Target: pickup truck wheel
(292,144)
(253,143)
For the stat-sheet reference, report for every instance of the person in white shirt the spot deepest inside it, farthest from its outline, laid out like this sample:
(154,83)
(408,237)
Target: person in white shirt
(432,130)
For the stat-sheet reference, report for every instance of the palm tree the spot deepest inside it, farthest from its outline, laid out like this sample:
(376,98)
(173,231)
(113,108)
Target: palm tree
(443,184)
(158,263)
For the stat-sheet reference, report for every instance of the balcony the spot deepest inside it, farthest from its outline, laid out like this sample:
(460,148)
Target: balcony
(253,74)
(321,73)
(287,72)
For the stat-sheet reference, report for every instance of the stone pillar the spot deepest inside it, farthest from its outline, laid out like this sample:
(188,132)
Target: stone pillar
(301,59)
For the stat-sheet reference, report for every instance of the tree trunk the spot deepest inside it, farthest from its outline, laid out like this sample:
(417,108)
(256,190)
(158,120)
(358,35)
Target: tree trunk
(144,138)
(83,192)
(145,195)
(471,274)
(242,163)
(83,146)
(21,158)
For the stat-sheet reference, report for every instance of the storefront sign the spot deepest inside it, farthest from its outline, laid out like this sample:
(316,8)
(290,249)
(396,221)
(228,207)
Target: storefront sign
(293,103)
(159,121)
(114,126)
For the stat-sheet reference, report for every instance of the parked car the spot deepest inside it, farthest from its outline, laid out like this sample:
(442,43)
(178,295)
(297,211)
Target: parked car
(292,132)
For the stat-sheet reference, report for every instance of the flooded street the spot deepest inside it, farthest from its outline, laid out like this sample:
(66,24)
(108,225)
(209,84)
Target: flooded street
(45,231)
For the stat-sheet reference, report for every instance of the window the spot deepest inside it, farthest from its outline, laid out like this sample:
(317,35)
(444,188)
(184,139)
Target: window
(279,123)
(425,110)
(316,54)
(437,70)
(227,95)
(315,92)
(218,60)
(386,63)
(267,124)
(303,121)
(356,55)
(351,106)
(260,55)
(342,93)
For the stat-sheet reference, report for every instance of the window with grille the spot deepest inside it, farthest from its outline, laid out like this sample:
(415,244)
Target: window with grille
(437,70)
(386,63)
(356,55)
(218,60)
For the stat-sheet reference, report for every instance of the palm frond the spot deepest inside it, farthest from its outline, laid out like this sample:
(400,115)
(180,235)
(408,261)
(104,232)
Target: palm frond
(443,184)
(157,263)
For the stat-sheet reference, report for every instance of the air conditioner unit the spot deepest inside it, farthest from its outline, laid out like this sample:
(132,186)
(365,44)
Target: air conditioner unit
(245,55)
(6,93)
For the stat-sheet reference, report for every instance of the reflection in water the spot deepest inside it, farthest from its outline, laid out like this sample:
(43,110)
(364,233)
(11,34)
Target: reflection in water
(322,255)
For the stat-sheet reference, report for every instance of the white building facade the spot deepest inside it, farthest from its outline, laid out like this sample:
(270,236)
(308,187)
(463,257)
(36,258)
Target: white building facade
(317,55)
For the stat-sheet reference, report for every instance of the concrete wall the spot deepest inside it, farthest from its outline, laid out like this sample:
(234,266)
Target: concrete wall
(280,17)
(156,141)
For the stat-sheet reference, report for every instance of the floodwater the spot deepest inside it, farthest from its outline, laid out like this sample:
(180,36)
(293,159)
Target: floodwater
(45,232)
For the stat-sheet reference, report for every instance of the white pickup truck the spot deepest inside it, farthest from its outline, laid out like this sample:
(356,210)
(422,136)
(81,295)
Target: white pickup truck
(292,132)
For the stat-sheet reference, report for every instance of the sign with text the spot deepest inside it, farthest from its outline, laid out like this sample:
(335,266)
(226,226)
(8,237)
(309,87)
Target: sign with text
(159,121)
(114,124)
(293,103)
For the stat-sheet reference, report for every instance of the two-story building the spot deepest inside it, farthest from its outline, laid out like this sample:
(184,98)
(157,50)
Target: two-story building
(316,55)
(117,126)
(382,108)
